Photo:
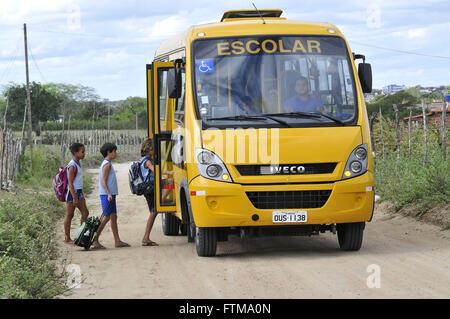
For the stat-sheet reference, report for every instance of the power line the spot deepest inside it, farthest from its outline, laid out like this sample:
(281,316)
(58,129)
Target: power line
(403,51)
(34,61)
(364,44)
(76,34)
(8,67)
(11,62)
(86,34)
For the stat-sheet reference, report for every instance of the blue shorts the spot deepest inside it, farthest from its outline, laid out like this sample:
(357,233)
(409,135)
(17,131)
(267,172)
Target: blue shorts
(108,208)
(79,193)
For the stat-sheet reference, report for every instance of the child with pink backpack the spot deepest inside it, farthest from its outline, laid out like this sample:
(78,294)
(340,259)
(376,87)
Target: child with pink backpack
(68,187)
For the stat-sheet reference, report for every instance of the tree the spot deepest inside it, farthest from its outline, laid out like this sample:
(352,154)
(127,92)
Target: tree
(92,110)
(79,102)
(126,110)
(132,103)
(415,91)
(44,104)
(403,99)
(72,92)
(2,106)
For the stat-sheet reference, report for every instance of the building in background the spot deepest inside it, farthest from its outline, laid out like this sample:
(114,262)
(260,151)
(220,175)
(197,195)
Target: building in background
(434,116)
(369,97)
(393,88)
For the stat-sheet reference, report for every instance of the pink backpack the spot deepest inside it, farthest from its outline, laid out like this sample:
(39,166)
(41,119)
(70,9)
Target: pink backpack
(61,182)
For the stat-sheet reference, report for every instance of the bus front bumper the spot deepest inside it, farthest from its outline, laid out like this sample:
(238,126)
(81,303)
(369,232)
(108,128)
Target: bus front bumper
(220,204)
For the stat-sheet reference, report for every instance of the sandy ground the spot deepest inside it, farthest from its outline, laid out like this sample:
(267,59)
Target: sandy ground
(413,259)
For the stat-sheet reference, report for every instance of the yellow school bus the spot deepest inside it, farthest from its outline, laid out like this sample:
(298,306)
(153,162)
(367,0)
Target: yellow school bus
(260,129)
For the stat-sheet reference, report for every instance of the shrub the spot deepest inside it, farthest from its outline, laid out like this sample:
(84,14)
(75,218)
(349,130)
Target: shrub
(45,167)
(28,248)
(406,182)
(93,160)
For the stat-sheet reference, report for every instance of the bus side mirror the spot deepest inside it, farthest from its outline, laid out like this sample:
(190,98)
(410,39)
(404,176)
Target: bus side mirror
(174,83)
(365,77)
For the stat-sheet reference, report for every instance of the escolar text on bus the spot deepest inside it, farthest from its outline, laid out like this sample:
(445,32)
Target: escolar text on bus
(268,46)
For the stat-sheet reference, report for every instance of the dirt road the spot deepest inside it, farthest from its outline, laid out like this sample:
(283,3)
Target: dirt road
(411,258)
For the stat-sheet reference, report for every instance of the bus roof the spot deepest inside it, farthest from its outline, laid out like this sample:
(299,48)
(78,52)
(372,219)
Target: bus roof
(252,14)
(236,25)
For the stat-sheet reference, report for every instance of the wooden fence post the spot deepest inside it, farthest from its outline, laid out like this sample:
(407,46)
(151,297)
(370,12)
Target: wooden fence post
(6,111)
(62,149)
(10,150)
(6,152)
(23,124)
(1,157)
(371,121)
(443,130)
(381,133)
(425,159)
(135,140)
(409,133)
(397,130)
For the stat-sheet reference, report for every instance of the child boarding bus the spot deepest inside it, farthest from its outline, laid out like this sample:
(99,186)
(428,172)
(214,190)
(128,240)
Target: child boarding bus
(260,129)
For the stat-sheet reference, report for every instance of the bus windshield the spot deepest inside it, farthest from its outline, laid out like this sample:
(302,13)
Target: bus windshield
(274,80)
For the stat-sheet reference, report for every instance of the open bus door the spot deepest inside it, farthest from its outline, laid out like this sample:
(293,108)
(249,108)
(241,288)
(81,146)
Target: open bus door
(160,122)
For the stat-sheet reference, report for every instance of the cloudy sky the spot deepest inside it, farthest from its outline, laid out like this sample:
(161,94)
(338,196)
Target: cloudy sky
(105,44)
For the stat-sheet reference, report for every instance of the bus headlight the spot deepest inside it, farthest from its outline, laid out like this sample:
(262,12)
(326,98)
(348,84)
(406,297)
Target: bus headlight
(357,162)
(204,158)
(213,170)
(355,167)
(361,153)
(211,166)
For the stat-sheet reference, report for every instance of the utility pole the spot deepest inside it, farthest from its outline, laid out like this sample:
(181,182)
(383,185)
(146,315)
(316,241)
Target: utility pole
(30,138)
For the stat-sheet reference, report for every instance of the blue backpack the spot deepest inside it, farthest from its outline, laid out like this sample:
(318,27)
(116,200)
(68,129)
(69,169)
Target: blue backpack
(138,185)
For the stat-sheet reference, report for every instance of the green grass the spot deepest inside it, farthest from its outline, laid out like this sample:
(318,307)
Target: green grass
(29,263)
(45,167)
(28,251)
(95,160)
(404,182)
(40,174)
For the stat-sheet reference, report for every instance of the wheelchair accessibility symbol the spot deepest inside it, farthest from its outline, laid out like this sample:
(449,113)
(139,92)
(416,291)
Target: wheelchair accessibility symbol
(205,66)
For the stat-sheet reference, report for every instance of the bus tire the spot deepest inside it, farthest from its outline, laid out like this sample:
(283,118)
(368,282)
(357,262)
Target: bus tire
(170,224)
(191,232)
(206,241)
(350,235)
(183,229)
(222,234)
(190,228)
(187,227)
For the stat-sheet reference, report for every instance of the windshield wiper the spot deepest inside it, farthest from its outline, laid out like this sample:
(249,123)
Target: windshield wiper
(330,117)
(237,118)
(251,117)
(294,114)
(276,120)
(310,115)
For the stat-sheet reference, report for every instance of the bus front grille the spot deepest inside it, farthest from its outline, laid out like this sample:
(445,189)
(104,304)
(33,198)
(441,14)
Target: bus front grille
(256,170)
(289,199)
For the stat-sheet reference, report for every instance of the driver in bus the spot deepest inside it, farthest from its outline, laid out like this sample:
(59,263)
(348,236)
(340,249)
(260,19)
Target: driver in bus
(303,101)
